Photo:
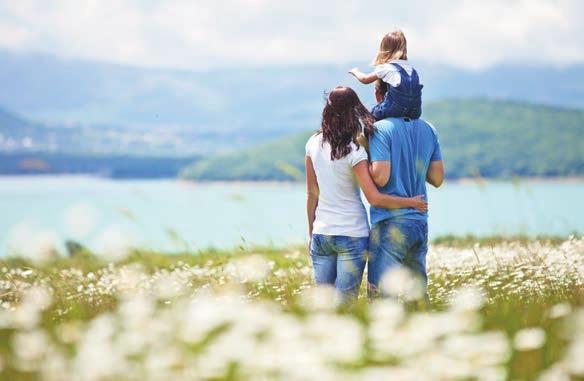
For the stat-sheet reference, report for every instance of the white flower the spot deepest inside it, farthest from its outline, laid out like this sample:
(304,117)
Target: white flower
(529,339)
(321,298)
(251,268)
(38,296)
(168,286)
(30,346)
(27,240)
(97,358)
(468,299)
(574,357)
(80,220)
(555,373)
(337,338)
(135,311)
(69,332)
(401,282)
(560,310)
(481,349)
(386,312)
(114,244)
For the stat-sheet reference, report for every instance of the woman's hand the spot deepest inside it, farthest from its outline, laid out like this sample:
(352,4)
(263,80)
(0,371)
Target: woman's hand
(419,203)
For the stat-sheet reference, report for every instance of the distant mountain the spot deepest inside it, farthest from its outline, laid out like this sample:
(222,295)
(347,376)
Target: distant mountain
(32,148)
(235,105)
(493,139)
(20,135)
(280,160)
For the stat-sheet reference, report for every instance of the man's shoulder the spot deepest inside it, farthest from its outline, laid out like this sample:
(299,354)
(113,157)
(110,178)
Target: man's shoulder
(390,124)
(425,124)
(387,124)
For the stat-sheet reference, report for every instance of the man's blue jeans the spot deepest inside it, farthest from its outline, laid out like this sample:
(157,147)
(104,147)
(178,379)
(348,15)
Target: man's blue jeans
(397,243)
(339,261)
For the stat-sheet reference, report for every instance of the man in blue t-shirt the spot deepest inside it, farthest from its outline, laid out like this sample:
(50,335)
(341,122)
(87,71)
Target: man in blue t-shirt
(405,154)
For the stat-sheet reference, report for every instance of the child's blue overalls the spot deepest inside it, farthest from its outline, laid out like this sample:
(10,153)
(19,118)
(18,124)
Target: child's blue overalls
(402,101)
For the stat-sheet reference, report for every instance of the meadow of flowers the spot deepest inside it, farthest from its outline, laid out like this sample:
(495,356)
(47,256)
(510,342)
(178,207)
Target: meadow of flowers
(510,310)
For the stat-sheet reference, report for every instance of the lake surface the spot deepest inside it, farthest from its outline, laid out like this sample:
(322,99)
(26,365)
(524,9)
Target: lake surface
(171,215)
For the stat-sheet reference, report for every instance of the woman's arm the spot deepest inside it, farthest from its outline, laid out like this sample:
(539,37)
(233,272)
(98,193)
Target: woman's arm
(381,200)
(362,77)
(312,193)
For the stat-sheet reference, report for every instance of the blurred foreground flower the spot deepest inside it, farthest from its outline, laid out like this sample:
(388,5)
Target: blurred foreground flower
(321,298)
(114,243)
(80,220)
(28,241)
(402,283)
(529,339)
(469,298)
(153,317)
(251,268)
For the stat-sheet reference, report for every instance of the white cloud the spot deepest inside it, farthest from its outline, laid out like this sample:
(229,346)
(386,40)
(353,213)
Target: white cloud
(190,34)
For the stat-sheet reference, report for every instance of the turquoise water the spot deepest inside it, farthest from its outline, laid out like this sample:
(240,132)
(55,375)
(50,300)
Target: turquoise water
(172,215)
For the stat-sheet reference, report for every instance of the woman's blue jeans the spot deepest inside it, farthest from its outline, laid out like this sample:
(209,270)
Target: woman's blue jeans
(339,261)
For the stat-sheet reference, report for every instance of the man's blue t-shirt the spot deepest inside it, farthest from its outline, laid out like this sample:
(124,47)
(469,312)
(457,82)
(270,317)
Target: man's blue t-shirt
(409,146)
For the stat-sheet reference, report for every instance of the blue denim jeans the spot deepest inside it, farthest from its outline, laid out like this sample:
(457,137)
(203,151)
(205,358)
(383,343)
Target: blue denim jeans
(388,108)
(394,243)
(339,261)
(403,101)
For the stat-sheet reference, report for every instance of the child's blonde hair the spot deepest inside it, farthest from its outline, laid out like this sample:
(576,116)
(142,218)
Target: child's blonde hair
(393,47)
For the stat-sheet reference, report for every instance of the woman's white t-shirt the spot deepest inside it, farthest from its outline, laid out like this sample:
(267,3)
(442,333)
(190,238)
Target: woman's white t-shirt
(340,210)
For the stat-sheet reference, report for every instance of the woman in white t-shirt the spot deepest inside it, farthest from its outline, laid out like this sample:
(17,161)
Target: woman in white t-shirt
(336,165)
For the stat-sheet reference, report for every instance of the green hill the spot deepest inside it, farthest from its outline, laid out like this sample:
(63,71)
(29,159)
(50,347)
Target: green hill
(494,139)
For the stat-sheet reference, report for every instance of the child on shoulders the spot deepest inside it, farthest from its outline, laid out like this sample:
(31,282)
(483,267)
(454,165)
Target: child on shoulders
(403,98)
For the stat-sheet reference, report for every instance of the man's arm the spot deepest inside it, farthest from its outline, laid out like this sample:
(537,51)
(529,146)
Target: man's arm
(380,172)
(435,174)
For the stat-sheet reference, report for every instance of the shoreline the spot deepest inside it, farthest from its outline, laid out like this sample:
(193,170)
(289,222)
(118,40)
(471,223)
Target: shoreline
(464,180)
(451,241)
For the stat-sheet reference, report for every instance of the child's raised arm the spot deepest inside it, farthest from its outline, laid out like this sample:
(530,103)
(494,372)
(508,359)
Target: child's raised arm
(362,77)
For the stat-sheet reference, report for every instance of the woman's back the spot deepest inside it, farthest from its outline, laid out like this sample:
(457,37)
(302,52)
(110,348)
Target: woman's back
(340,210)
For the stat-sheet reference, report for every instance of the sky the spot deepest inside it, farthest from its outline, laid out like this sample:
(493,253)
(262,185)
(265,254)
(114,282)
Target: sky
(196,34)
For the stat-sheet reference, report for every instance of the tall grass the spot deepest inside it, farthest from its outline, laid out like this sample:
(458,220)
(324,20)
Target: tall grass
(500,310)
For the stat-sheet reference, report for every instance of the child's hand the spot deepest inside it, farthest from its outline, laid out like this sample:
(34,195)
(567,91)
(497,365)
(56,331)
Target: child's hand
(419,203)
(355,71)
(362,77)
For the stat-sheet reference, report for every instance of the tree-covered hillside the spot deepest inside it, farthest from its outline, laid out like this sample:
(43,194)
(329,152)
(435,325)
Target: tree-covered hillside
(494,139)
(281,159)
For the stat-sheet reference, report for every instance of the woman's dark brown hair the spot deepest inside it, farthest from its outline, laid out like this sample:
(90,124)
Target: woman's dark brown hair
(343,118)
